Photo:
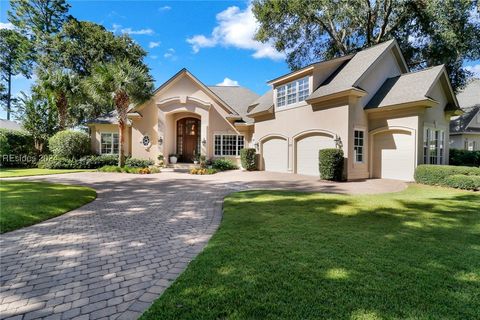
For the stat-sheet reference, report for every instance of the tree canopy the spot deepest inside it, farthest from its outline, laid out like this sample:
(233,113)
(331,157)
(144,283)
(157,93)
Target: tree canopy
(428,32)
(16,58)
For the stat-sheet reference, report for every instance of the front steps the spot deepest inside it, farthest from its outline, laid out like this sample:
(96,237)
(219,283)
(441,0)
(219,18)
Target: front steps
(180,167)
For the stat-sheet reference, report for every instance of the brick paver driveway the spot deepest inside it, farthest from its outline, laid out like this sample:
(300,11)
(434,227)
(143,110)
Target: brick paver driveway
(112,257)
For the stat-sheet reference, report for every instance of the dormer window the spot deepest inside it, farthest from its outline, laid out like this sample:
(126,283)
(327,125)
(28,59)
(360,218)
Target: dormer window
(293,92)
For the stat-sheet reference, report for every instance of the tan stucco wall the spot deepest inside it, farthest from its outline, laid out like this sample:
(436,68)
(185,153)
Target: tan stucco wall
(159,119)
(97,129)
(331,118)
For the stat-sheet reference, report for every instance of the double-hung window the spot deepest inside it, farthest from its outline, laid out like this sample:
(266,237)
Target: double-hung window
(358,145)
(293,92)
(228,144)
(109,143)
(433,146)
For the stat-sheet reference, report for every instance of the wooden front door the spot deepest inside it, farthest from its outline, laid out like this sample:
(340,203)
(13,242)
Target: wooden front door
(188,139)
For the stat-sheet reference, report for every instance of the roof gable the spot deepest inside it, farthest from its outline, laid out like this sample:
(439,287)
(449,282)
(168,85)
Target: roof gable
(350,74)
(462,123)
(181,75)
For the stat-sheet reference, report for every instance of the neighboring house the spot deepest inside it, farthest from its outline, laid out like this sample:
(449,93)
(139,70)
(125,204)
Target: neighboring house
(386,119)
(10,125)
(465,130)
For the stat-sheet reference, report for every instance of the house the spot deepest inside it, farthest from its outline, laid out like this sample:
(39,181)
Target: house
(386,119)
(465,129)
(10,125)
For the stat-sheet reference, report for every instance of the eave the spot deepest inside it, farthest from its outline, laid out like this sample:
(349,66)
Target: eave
(356,92)
(426,103)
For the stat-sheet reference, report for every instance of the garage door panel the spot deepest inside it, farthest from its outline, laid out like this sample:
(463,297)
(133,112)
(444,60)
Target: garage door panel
(275,155)
(393,155)
(307,153)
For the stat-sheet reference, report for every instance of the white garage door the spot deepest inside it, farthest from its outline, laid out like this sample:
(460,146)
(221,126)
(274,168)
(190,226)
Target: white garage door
(307,153)
(393,155)
(275,155)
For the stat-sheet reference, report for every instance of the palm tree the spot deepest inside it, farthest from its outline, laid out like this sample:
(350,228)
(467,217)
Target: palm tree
(64,86)
(121,83)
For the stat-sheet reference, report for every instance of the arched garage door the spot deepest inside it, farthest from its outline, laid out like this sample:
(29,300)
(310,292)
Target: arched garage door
(275,154)
(394,155)
(307,153)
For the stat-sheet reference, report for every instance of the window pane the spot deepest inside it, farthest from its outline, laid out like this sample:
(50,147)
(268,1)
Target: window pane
(426,133)
(115,143)
(303,90)
(240,144)
(229,145)
(106,143)
(291,93)
(218,145)
(281,101)
(358,145)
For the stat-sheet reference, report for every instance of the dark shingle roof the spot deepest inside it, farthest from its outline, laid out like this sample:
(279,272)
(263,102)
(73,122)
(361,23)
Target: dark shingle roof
(470,96)
(238,98)
(408,87)
(460,124)
(263,103)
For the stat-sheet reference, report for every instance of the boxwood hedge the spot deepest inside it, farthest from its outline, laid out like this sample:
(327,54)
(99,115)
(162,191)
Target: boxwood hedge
(448,176)
(248,157)
(331,164)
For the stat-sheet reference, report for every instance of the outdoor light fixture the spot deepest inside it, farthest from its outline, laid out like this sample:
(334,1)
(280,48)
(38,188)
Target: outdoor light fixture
(338,142)
(160,141)
(204,142)
(256,146)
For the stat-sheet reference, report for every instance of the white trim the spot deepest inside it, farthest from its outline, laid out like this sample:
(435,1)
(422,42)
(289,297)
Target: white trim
(363,146)
(373,132)
(297,102)
(100,144)
(237,150)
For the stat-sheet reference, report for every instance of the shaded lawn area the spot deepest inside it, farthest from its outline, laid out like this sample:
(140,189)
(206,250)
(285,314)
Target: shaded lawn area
(283,255)
(25,203)
(24,172)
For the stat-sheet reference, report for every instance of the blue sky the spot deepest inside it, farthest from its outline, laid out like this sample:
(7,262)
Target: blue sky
(213,39)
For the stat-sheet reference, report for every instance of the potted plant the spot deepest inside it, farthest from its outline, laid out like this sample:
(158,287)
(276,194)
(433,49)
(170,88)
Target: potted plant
(160,158)
(196,158)
(173,158)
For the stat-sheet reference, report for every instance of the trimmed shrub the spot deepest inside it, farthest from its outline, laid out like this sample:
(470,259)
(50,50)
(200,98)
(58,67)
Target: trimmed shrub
(461,181)
(50,162)
(138,163)
(17,149)
(87,162)
(223,164)
(437,174)
(331,164)
(69,144)
(248,157)
(464,158)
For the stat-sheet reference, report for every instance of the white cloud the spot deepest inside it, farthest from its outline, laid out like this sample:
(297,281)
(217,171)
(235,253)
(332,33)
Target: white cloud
(228,82)
(118,28)
(170,54)
(236,28)
(153,44)
(164,8)
(6,25)
(475,69)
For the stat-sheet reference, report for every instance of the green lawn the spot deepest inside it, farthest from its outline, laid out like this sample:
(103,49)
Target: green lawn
(23,172)
(26,203)
(283,255)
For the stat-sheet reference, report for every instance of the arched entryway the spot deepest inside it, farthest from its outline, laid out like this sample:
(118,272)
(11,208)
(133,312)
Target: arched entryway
(188,138)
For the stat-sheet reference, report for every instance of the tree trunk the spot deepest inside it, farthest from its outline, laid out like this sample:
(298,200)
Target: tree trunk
(9,95)
(62,107)
(121,147)
(121,103)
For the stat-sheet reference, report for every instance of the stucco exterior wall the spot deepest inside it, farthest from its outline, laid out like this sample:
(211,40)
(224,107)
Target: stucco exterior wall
(95,136)
(331,118)
(159,119)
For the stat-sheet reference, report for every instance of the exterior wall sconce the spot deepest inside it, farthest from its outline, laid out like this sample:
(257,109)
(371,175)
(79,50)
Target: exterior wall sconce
(338,142)
(204,142)
(160,141)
